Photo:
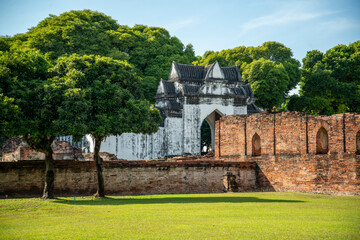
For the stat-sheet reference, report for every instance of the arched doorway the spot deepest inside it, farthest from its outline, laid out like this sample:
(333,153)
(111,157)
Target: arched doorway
(205,138)
(322,141)
(358,143)
(256,145)
(207,130)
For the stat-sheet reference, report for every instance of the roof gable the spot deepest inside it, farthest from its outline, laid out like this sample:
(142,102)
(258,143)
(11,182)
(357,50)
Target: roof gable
(174,73)
(215,72)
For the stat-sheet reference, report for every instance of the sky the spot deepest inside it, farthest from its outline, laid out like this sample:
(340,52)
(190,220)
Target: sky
(301,25)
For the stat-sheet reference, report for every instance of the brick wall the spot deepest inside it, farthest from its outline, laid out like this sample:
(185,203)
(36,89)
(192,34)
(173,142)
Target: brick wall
(128,177)
(289,160)
(16,149)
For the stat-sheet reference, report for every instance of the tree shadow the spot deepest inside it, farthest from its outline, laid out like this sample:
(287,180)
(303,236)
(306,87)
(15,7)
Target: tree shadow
(165,200)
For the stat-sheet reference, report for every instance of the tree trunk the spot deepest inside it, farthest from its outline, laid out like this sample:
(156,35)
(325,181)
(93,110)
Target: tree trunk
(43,144)
(99,169)
(49,175)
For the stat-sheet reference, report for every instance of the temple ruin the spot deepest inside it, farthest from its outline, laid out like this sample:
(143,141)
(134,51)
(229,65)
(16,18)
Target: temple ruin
(191,95)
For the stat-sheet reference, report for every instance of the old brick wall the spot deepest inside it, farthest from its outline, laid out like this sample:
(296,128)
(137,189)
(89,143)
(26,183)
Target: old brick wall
(127,177)
(289,160)
(16,149)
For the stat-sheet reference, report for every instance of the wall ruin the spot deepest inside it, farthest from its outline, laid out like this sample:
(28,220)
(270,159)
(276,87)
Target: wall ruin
(299,153)
(26,178)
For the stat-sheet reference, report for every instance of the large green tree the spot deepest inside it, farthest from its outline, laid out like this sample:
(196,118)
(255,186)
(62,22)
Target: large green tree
(330,82)
(30,110)
(106,92)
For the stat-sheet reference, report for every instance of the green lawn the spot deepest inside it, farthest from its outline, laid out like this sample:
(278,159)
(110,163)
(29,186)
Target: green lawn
(196,216)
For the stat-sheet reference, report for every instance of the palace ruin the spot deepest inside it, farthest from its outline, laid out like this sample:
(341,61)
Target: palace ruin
(191,95)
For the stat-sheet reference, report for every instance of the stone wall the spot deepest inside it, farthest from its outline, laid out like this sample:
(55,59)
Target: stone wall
(129,177)
(289,142)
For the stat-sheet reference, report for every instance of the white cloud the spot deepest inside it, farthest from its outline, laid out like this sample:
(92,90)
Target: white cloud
(174,26)
(340,24)
(282,17)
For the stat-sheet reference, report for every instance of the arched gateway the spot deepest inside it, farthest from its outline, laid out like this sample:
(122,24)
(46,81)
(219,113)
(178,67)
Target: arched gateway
(191,95)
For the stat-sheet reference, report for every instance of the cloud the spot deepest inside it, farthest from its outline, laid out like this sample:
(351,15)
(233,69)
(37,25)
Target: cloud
(340,24)
(282,17)
(174,26)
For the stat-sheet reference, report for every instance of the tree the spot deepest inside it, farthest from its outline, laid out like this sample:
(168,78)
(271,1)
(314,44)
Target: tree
(107,93)
(330,82)
(30,109)
(268,81)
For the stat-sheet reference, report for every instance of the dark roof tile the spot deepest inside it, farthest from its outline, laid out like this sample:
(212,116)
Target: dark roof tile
(191,89)
(231,73)
(169,87)
(190,71)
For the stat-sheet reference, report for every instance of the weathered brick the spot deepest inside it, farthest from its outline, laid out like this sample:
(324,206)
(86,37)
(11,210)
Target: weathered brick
(127,177)
(289,159)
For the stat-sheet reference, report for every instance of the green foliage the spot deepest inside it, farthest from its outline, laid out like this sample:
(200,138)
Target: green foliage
(4,45)
(23,79)
(330,82)
(270,69)
(268,81)
(82,32)
(102,97)
(8,113)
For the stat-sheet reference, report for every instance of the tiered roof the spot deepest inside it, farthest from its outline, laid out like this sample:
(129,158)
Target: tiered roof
(199,81)
(184,72)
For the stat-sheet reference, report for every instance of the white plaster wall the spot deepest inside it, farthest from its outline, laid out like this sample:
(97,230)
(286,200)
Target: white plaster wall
(240,110)
(174,136)
(192,124)
(133,146)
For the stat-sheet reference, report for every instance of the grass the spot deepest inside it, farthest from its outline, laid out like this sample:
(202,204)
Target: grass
(197,216)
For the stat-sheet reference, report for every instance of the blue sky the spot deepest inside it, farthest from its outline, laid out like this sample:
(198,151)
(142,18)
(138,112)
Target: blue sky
(212,25)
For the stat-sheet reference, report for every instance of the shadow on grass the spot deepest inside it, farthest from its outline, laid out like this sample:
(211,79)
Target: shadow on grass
(162,200)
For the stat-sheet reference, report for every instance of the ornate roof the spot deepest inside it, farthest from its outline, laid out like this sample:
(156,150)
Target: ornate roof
(185,72)
(197,82)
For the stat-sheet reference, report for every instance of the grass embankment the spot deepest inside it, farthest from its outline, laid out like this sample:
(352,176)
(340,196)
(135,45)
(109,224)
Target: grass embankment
(200,216)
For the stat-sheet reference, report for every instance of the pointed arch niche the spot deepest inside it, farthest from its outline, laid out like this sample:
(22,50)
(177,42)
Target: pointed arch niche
(357,142)
(322,141)
(256,145)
